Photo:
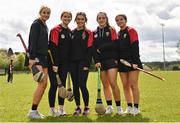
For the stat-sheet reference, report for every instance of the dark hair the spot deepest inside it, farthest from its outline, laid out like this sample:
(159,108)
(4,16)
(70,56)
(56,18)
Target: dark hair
(68,12)
(83,14)
(122,15)
(105,16)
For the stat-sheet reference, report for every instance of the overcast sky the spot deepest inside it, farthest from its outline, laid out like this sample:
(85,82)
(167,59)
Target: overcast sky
(144,15)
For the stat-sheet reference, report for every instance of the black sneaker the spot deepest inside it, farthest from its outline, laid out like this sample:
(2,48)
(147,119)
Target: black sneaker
(77,111)
(86,111)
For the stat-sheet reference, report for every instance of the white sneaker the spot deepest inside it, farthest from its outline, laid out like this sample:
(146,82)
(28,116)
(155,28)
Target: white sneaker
(53,112)
(34,114)
(61,112)
(128,110)
(109,110)
(119,110)
(135,111)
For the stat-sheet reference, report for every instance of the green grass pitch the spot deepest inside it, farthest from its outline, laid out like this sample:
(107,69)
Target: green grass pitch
(160,100)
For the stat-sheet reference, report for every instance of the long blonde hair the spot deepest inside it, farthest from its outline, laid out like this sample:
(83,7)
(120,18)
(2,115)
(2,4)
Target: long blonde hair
(44,7)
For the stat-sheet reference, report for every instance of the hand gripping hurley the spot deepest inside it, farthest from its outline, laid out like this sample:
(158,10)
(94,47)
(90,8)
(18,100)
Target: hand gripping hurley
(37,74)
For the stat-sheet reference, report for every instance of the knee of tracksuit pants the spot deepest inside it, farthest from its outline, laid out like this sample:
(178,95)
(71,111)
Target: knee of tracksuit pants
(60,101)
(63,74)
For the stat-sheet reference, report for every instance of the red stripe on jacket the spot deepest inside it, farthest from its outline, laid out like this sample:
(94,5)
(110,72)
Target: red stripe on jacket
(133,35)
(90,38)
(114,35)
(54,34)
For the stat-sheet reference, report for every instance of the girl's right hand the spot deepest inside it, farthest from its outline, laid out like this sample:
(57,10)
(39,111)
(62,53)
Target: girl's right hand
(55,68)
(31,62)
(98,51)
(98,65)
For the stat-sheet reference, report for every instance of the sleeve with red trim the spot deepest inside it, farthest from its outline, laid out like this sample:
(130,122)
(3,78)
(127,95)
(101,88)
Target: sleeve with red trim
(133,35)
(135,52)
(112,45)
(53,44)
(114,35)
(89,56)
(134,45)
(89,48)
(95,55)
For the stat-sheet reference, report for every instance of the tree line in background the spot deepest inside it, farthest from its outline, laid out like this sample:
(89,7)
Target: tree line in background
(18,61)
(20,58)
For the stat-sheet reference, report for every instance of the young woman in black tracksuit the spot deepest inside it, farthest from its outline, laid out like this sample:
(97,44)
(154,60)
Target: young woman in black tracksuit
(107,60)
(38,49)
(128,49)
(129,76)
(81,45)
(59,45)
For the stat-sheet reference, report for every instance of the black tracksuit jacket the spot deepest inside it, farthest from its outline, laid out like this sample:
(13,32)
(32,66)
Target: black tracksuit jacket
(38,39)
(81,46)
(59,44)
(127,46)
(101,37)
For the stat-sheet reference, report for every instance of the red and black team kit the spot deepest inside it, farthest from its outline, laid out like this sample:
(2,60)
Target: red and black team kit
(127,47)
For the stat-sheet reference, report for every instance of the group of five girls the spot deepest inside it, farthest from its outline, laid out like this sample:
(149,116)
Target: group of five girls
(72,51)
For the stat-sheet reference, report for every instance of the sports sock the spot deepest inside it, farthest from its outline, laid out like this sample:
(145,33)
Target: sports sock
(118,103)
(129,104)
(34,107)
(109,102)
(136,105)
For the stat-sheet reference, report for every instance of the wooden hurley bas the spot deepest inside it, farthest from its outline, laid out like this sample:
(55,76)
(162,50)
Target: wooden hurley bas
(62,90)
(70,95)
(126,63)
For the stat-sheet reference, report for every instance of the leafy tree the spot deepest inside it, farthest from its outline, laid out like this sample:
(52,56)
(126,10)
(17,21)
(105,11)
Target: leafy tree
(3,60)
(19,65)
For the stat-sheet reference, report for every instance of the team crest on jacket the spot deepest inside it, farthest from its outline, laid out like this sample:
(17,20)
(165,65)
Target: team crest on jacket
(125,35)
(107,34)
(62,36)
(96,35)
(72,36)
(83,35)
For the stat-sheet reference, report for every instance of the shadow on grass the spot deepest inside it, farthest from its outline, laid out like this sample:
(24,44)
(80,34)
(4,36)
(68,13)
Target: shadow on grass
(68,118)
(123,118)
(100,118)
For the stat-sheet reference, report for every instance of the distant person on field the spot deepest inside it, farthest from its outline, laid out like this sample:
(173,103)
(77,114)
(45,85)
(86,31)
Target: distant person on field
(10,72)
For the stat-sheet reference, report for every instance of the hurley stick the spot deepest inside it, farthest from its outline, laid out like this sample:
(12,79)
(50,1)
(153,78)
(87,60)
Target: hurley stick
(62,90)
(126,63)
(100,109)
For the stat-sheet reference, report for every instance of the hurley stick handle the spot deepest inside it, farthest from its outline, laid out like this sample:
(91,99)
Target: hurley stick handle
(99,83)
(126,63)
(69,81)
(57,75)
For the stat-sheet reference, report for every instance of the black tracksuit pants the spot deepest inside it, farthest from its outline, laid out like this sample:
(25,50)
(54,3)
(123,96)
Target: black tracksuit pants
(62,71)
(79,79)
(10,77)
